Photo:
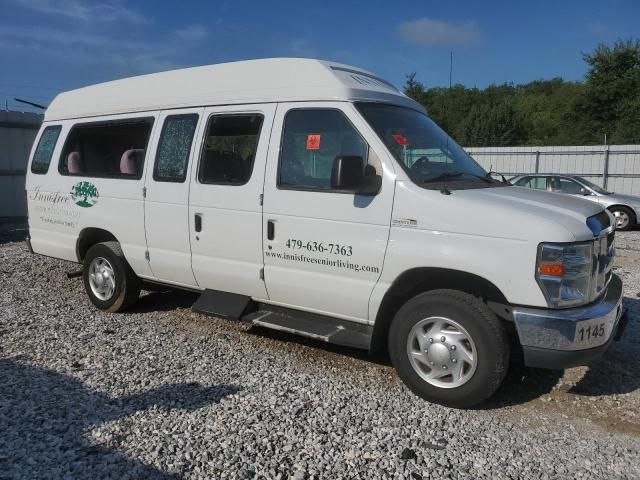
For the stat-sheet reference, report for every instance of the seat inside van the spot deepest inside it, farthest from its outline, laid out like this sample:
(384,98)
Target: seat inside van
(220,166)
(109,149)
(230,148)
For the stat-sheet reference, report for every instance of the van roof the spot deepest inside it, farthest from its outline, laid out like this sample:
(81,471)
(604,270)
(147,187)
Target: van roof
(252,81)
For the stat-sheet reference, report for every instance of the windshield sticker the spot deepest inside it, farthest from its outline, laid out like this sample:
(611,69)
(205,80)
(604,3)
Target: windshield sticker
(400,139)
(313,141)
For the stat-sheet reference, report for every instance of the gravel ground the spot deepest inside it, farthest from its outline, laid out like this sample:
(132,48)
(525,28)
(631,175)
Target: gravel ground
(161,392)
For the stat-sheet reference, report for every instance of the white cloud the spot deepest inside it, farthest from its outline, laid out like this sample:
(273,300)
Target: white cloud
(192,33)
(84,49)
(430,32)
(93,11)
(58,37)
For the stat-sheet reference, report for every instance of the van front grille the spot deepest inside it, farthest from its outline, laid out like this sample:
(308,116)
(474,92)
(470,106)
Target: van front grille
(604,253)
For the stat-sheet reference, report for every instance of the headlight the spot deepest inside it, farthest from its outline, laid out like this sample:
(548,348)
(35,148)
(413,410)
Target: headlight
(564,273)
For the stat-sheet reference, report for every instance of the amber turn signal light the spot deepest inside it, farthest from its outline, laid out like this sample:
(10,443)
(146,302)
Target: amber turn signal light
(551,269)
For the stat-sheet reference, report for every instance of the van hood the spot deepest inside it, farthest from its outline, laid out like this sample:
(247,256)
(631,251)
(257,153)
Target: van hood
(567,212)
(516,213)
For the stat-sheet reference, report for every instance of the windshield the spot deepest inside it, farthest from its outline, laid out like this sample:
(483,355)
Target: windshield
(428,155)
(594,187)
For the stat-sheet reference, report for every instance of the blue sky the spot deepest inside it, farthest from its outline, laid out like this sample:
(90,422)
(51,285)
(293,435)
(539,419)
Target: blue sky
(51,45)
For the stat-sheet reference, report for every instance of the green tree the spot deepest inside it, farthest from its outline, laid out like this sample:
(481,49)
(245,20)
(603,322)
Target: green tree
(490,124)
(413,88)
(81,193)
(612,96)
(545,112)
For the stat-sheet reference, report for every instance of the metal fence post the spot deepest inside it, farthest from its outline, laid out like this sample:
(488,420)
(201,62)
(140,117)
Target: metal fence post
(537,161)
(605,171)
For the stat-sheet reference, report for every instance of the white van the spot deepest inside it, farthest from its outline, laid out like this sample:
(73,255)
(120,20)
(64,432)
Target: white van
(315,198)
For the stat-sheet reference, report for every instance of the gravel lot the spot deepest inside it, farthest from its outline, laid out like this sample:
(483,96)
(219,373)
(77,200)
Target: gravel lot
(162,392)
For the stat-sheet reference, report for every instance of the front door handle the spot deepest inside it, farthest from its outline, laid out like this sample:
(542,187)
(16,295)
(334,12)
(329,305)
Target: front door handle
(271,230)
(198,222)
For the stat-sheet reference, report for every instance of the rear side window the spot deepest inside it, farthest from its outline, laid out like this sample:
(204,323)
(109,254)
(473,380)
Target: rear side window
(174,148)
(564,185)
(107,149)
(229,149)
(311,141)
(537,183)
(44,150)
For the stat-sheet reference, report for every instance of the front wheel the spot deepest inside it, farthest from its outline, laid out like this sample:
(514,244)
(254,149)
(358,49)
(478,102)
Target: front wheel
(624,218)
(108,279)
(449,348)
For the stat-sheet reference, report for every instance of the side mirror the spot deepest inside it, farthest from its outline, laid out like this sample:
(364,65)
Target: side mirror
(348,176)
(585,192)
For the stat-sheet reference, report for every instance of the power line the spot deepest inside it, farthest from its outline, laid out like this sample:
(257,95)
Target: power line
(33,104)
(39,97)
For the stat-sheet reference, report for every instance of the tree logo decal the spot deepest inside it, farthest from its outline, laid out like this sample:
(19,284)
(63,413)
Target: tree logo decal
(84,194)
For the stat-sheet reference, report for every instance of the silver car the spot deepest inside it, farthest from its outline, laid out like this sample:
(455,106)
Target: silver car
(626,208)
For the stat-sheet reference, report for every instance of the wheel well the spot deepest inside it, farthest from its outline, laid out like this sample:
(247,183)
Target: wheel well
(419,280)
(613,207)
(89,237)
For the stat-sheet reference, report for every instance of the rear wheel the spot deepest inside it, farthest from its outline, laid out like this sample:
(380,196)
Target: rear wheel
(624,218)
(108,279)
(449,348)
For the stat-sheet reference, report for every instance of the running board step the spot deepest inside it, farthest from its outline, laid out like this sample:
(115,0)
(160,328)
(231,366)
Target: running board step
(224,304)
(319,327)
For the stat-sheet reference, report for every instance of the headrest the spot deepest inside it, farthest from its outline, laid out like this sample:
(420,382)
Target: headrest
(130,161)
(74,163)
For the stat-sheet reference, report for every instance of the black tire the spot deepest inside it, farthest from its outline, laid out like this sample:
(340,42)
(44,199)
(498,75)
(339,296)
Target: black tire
(127,283)
(485,329)
(629,213)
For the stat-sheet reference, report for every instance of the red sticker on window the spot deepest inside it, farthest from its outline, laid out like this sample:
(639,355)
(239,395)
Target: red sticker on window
(313,141)
(400,139)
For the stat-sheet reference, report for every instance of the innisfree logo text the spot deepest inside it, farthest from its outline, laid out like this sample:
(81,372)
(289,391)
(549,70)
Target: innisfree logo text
(84,194)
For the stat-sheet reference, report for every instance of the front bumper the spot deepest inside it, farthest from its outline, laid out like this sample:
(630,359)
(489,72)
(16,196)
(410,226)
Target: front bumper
(559,339)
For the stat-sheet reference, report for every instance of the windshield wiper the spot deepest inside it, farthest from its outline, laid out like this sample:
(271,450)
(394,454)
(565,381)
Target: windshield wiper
(443,176)
(488,176)
(446,175)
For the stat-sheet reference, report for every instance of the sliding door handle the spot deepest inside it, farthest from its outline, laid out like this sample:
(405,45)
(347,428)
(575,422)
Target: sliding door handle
(271,230)
(198,222)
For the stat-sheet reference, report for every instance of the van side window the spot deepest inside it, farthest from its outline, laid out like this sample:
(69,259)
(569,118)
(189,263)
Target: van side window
(311,141)
(174,147)
(114,149)
(229,149)
(44,150)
